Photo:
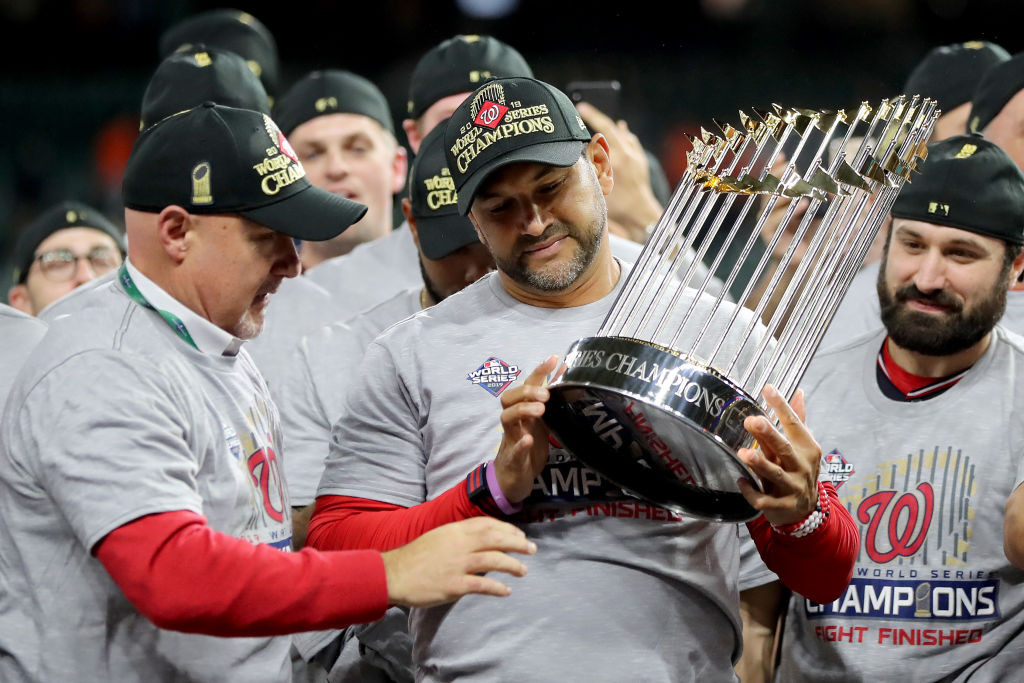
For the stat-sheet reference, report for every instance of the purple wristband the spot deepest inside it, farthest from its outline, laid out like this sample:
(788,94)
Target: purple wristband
(499,498)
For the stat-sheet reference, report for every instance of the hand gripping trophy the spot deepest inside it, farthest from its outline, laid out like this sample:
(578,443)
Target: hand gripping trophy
(657,399)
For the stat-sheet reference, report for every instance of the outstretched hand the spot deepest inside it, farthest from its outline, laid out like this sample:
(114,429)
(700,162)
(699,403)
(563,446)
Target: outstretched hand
(524,445)
(787,464)
(448,562)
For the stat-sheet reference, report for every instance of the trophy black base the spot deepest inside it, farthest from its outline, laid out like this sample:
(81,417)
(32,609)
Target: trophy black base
(661,426)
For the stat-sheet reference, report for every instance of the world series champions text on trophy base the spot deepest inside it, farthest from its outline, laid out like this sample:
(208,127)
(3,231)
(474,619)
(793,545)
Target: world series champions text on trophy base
(656,400)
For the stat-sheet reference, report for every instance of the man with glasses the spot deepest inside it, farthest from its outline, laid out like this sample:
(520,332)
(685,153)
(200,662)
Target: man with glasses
(67,246)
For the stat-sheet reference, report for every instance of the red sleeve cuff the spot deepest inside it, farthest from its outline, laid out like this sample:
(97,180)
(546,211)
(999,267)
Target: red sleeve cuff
(818,566)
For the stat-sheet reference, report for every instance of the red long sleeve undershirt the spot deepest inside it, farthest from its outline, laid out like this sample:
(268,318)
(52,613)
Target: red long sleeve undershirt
(818,566)
(184,576)
(346,523)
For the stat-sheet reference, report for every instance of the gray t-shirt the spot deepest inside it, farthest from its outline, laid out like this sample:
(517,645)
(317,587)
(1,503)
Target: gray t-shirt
(619,590)
(296,309)
(114,418)
(858,312)
(323,367)
(933,596)
(20,333)
(370,273)
(68,303)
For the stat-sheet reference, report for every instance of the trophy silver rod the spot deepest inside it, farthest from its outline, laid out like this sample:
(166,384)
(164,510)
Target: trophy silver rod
(665,235)
(809,302)
(663,271)
(683,194)
(821,318)
(799,282)
(681,283)
(666,227)
(747,247)
(796,282)
(673,268)
(879,113)
(720,216)
(723,248)
(767,256)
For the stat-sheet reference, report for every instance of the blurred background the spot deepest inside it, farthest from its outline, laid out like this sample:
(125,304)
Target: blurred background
(73,71)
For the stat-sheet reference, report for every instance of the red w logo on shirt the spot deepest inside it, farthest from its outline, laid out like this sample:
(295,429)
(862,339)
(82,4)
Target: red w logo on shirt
(266,474)
(897,524)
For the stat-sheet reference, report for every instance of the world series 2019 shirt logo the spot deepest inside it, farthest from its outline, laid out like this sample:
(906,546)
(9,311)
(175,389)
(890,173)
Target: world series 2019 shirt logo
(495,375)
(915,583)
(836,467)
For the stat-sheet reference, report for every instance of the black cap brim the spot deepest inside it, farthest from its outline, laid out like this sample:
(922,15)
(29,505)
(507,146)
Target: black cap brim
(311,214)
(561,153)
(441,235)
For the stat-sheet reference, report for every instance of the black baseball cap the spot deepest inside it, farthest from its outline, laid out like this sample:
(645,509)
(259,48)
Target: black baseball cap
(214,159)
(66,214)
(233,30)
(202,74)
(948,74)
(441,228)
(997,87)
(331,92)
(969,183)
(506,121)
(461,64)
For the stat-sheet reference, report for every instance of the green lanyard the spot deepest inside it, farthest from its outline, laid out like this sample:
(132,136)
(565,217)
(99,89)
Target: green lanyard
(172,320)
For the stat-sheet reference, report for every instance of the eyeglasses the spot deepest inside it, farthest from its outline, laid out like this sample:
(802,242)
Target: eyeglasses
(59,265)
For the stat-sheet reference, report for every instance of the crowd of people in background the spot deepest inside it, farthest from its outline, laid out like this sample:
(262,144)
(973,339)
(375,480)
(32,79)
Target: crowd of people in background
(248,430)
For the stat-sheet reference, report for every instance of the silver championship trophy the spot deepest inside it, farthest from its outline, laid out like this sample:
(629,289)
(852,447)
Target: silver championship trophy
(656,401)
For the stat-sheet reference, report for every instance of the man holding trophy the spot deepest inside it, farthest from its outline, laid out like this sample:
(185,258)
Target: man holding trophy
(620,587)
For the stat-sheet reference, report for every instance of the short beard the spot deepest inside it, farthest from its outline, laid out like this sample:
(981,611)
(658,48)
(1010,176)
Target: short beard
(559,277)
(932,335)
(429,285)
(250,326)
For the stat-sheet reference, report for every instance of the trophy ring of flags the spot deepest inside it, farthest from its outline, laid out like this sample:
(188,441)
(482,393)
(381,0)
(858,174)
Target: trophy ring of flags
(656,400)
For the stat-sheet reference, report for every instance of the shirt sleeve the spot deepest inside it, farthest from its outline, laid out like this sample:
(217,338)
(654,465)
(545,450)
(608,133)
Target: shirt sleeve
(305,425)
(377,449)
(110,439)
(183,575)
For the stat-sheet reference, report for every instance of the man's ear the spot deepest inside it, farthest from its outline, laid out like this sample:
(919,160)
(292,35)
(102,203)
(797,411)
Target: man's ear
(400,167)
(411,220)
(412,134)
(18,297)
(1017,273)
(173,226)
(600,157)
(479,233)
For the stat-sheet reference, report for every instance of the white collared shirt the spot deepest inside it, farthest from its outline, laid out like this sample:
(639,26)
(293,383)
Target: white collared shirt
(208,337)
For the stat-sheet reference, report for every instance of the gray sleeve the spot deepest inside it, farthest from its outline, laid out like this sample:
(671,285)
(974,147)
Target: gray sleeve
(107,437)
(305,426)
(324,369)
(376,447)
